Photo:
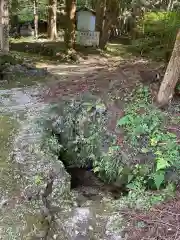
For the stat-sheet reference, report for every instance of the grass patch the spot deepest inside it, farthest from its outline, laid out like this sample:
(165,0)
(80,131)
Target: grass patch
(8,128)
(117,50)
(49,50)
(53,51)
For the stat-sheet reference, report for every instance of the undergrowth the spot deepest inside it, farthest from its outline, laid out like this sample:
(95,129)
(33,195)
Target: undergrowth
(147,159)
(140,198)
(157,33)
(145,131)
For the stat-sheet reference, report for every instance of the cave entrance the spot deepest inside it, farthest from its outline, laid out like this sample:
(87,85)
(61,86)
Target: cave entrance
(90,186)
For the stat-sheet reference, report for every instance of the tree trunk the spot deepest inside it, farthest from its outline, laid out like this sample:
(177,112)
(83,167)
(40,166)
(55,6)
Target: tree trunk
(70,27)
(35,19)
(170,5)
(105,33)
(100,14)
(52,29)
(109,18)
(4,26)
(171,76)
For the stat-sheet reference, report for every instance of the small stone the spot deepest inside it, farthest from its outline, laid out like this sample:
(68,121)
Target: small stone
(41,234)
(55,236)
(76,232)
(91,228)
(44,211)
(3,203)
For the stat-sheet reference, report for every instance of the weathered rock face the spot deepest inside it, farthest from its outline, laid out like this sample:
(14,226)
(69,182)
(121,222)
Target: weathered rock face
(38,163)
(46,206)
(80,224)
(45,185)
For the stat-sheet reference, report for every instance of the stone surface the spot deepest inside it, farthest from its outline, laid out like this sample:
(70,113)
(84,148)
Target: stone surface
(38,163)
(80,225)
(114,227)
(44,183)
(44,206)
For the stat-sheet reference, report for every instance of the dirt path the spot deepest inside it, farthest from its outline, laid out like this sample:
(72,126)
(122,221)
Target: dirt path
(98,75)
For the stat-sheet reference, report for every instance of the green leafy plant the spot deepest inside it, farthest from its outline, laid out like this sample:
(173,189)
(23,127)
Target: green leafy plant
(144,129)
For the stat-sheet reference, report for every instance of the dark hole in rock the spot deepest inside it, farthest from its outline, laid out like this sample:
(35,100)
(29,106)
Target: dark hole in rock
(85,180)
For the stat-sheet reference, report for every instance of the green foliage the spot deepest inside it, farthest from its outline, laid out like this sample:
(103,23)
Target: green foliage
(144,129)
(87,3)
(9,59)
(139,198)
(178,87)
(80,126)
(158,32)
(80,138)
(24,9)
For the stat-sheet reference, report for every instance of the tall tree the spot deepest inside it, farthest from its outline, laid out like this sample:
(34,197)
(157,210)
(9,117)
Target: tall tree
(171,76)
(100,14)
(52,15)
(4,26)
(170,5)
(35,19)
(109,17)
(70,29)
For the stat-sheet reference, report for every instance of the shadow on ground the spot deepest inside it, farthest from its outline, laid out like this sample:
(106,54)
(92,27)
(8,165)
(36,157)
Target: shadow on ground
(53,50)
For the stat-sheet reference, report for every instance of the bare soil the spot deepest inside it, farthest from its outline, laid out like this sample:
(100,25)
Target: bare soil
(161,222)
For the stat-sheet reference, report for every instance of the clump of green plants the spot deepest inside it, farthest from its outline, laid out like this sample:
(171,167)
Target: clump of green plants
(139,198)
(145,132)
(80,127)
